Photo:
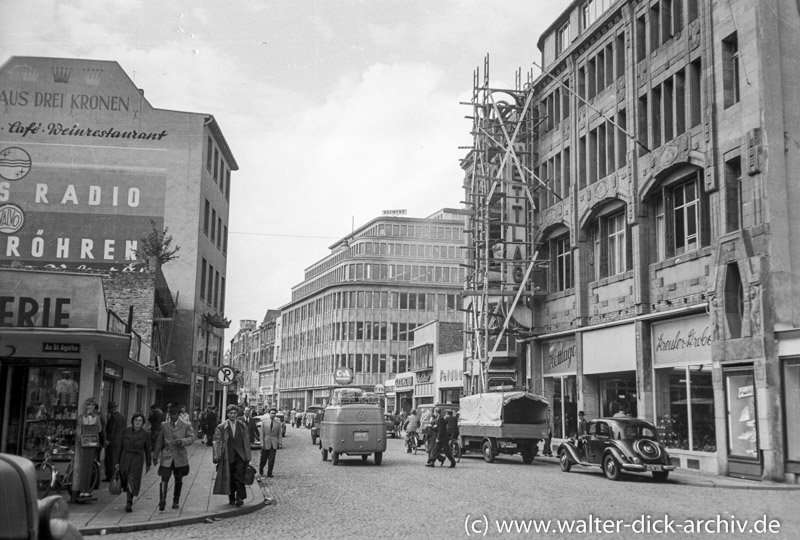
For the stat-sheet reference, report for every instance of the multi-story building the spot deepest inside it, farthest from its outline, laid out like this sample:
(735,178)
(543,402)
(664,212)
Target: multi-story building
(268,359)
(665,136)
(243,351)
(89,169)
(358,306)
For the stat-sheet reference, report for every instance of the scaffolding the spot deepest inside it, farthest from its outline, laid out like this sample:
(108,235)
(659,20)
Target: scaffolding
(500,189)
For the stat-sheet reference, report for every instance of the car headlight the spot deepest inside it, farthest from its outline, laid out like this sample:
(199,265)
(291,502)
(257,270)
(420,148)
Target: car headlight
(636,460)
(53,517)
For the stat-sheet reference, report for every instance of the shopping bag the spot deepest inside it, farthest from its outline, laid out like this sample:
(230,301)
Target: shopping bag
(249,475)
(115,486)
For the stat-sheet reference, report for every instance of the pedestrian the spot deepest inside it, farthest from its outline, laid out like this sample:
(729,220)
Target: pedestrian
(452,425)
(170,454)
(546,447)
(155,419)
(115,425)
(250,421)
(270,442)
(397,421)
(183,415)
(88,434)
(196,422)
(581,423)
(211,425)
(442,443)
(411,425)
(231,455)
(134,453)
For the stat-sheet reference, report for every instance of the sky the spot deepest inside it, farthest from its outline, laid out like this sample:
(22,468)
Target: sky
(335,110)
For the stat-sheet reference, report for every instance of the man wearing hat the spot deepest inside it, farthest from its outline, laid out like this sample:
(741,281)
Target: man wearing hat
(170,454)
(581,423)
(232,453)
(114,427)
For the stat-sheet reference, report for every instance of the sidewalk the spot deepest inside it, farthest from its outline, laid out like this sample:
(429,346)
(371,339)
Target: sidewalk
(107,515)
(688,477)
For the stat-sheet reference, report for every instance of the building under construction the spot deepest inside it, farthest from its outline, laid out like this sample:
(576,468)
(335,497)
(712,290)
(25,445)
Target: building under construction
(633,234)
(501,191)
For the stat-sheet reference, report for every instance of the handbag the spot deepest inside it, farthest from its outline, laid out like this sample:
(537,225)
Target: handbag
(249,475)
(115,486)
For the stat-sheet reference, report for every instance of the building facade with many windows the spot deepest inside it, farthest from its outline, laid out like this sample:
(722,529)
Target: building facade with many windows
(90,170)
(668,226)
(358,306)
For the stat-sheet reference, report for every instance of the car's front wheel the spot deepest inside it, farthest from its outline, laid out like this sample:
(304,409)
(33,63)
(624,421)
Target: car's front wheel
(660,476)
(564,461)
(378,458)
(335,458)
(611,468)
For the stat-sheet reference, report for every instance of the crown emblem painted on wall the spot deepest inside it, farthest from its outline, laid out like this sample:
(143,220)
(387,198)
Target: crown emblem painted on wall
(28,74)
(92,76)
(61,75)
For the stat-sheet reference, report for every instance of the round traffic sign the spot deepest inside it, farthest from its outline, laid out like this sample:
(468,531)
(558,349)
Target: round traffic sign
(343,375)
(226,375)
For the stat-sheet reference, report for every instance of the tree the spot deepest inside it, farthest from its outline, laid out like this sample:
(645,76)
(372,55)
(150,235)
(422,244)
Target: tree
(158,245)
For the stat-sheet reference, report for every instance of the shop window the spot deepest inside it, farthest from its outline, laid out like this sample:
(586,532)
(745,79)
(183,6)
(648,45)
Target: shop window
(685,408)
(618,395)
(564,415)
(791,407)
(741,415)
(734,301)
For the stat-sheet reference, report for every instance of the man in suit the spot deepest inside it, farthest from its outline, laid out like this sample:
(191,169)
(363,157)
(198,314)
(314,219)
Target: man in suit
(442,442)
(270,442)
(171,456)
(250,420)
(114,426)
(232,447)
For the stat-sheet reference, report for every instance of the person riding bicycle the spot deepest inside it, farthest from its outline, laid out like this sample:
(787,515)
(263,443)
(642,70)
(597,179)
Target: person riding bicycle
(452,425)
(411,425)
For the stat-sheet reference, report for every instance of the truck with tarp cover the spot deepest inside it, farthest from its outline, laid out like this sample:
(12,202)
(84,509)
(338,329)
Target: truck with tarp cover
(503,423)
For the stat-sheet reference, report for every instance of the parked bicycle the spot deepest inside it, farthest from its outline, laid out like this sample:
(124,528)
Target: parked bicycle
(49,476)
(412,442)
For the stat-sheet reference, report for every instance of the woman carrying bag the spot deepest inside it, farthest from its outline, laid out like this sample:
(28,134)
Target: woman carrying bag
(134,453)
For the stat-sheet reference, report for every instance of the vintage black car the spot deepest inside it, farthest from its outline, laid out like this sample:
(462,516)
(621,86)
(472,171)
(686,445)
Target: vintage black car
(617,445)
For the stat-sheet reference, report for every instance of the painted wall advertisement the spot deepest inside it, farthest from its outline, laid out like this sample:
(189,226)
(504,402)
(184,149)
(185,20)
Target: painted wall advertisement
(82,177)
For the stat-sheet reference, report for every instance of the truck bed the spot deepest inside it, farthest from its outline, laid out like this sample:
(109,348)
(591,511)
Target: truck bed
(505,431)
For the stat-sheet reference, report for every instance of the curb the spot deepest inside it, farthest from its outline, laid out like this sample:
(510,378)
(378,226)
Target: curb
(721,482)
(150,525)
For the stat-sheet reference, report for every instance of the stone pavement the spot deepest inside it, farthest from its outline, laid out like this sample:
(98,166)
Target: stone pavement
(106,514)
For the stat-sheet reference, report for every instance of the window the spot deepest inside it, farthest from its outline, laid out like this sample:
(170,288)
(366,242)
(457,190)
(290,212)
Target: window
(561,264)
(610,245)
(206,217)
(682,217)
(213,225)
(730,70)
(685,408)
(209,149)
(791,406)
(219,232)
(216,164)
(210,290)
(203,280)
(734,300)
(562,38)
(733,194)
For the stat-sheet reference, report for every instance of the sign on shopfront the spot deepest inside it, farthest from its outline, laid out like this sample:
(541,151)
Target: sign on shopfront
(682,341)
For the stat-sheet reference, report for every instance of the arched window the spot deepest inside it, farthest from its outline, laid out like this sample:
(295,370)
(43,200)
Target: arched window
(734,300)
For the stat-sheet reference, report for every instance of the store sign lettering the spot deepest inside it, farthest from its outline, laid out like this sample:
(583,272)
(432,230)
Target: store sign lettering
(450,375)
(26,311)
(423,378)
(61,347)
(676,341)
(60,100)
(561,353)
(404,382)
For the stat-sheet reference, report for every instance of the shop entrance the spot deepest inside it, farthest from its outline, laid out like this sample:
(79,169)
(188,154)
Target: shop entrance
(40,406)
(744,456)
(618,394)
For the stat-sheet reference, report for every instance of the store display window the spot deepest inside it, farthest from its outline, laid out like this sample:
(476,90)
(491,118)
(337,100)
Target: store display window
(564,407)
(51,408)
(791,389)
(685,408)
(742,418)
(618,394)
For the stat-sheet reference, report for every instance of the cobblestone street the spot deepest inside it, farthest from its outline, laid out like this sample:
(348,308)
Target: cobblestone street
(401,498)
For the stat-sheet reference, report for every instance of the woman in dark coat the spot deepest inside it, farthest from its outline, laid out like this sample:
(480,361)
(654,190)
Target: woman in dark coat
(134,454)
